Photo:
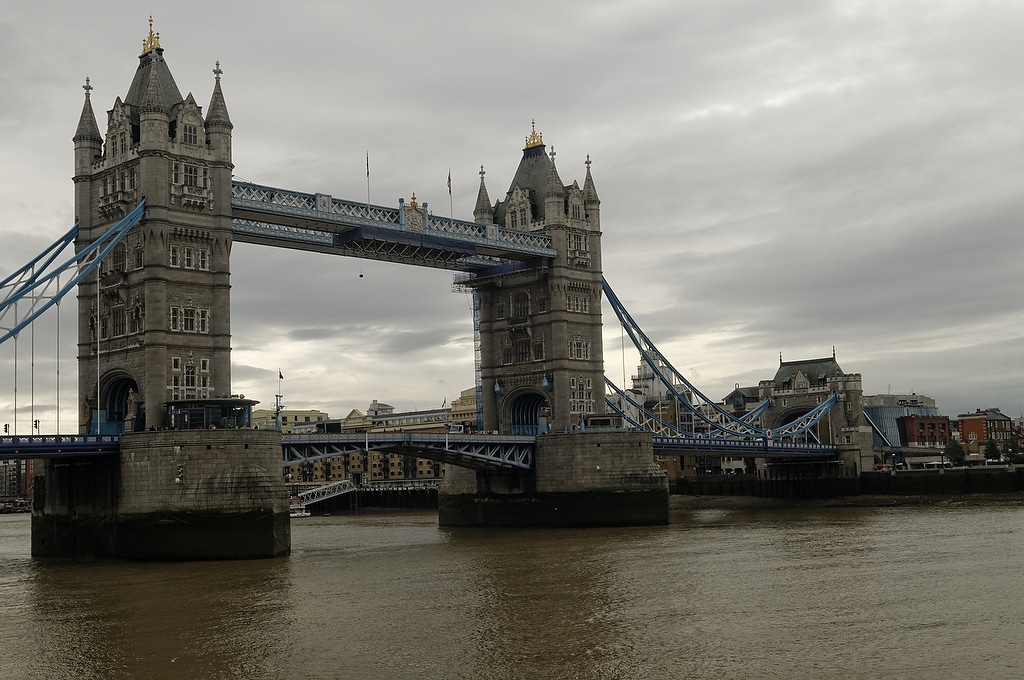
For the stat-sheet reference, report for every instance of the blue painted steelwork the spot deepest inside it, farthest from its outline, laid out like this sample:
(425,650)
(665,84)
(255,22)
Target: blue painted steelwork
(35,279)
(321,223)
(476,451)
(762,448)
(722,423)
(59,446)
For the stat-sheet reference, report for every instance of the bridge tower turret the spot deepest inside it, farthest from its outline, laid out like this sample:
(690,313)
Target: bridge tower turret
(154,325)
(542,364)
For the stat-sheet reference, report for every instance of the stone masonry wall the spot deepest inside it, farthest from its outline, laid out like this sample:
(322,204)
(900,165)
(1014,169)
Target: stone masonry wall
(201,470)
(592,461)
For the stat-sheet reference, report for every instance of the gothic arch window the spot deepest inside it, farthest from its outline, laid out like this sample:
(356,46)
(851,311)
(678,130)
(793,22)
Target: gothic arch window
(119,260)
(522,217)
(520,305)
(512,219)
(189,134)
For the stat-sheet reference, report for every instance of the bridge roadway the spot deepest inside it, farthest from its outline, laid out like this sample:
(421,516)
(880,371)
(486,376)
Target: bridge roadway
(409,234)
(477,451)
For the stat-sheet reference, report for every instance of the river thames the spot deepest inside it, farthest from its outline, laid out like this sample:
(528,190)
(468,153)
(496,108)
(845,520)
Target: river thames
(884,592)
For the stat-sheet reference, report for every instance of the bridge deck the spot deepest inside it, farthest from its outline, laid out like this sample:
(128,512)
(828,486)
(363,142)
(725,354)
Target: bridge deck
(59,446)
(478,451)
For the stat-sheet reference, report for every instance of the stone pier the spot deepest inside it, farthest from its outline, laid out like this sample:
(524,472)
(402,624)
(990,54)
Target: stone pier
(607,478)
(171,495)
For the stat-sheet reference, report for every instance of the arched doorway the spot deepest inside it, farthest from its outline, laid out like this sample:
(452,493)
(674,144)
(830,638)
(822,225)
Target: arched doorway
(120,403)
(528,413)
(819,433)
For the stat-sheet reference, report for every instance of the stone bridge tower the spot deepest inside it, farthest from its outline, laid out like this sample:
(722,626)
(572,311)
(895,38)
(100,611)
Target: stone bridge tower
(542,364)
(154,325)
(799,386)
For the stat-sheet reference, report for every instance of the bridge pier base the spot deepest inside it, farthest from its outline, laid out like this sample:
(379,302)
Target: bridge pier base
(581,479)
(172,495)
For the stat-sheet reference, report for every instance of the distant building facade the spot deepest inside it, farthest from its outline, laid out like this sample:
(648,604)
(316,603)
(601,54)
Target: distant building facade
(920,431)
(885,410)
(982,426)
(291,420)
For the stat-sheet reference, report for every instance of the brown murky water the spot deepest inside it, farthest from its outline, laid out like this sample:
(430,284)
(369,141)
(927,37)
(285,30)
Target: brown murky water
(930,592)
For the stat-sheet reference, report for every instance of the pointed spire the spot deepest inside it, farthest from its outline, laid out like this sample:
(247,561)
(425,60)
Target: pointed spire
(483,213)
(218,111)
(555,186)
(153,99)
(87,128)
(589,190)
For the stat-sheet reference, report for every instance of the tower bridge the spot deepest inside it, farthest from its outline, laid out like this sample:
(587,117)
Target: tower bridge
(158,211)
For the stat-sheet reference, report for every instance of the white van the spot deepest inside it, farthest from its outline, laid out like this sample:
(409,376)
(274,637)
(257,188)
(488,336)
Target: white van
(938,465)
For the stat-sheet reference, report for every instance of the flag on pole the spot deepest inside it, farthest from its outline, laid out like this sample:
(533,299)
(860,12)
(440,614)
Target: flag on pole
(280,375)
(449,181)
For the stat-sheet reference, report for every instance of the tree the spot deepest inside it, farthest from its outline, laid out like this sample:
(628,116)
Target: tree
(954,452)
(992,451)
(1012,452)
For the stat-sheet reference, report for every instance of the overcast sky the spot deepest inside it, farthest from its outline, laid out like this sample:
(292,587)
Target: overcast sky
(775,177)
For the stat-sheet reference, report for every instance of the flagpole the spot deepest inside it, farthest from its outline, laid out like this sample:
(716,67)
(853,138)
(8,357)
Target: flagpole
(451,212)
(277,406)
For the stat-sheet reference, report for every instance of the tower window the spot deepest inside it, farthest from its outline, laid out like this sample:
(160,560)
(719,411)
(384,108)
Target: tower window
(174,256)
(188,258)
(204,259)
(520,305)
(189,135)
(176,173)
(189,320)
(118,317)
(191,176)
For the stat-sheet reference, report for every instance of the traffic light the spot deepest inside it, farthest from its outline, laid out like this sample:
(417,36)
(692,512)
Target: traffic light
(7,428)
(36,423)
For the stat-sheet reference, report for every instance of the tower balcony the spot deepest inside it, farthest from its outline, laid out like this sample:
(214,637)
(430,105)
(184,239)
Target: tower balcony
(192,198)
(117,204)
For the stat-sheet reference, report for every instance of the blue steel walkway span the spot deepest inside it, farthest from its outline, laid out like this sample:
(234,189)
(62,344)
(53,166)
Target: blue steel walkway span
(476,451)
(59,446)
(748,448)
(406,234)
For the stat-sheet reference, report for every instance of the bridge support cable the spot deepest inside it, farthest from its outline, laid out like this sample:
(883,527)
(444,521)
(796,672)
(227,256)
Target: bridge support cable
(644,420)
(722,422)
(878,431)
(42,283)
